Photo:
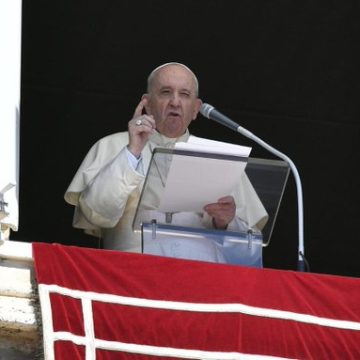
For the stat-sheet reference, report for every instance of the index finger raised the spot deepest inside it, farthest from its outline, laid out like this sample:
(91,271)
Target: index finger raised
(139,109)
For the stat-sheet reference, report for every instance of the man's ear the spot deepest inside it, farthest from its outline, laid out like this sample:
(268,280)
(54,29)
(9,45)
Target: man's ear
(197,108)
(146,106)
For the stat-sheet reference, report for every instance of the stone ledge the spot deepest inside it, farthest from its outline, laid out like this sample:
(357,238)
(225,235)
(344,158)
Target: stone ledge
(20,324)
(16,250)
(17,314)
(16,279)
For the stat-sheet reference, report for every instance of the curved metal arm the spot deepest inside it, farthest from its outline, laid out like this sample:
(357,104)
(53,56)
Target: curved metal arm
(301,250)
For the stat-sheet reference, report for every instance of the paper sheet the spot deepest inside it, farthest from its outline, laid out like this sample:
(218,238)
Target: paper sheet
(194,182)
(213,147)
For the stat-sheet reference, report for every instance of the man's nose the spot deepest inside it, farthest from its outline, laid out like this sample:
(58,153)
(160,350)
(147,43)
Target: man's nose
(175,99)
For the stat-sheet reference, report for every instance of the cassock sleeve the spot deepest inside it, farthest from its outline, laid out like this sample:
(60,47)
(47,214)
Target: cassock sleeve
(102,184)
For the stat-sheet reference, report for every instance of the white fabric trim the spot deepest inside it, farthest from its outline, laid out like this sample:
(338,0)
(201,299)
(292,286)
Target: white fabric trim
(92,344)
(47,322)
(162,351)
(199,307)
(89,329)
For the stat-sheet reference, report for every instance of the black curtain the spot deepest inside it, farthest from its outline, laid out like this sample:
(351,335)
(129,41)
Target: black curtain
(285,70)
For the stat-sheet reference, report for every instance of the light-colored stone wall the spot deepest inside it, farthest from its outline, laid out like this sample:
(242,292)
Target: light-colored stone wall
(20,323)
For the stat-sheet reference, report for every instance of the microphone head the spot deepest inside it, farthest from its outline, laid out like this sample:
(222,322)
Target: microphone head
(206,109)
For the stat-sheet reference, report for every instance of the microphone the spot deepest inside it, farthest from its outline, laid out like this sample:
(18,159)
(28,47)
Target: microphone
(211,113)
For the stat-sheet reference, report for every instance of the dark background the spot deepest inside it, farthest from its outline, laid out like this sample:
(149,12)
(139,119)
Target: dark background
(286,70)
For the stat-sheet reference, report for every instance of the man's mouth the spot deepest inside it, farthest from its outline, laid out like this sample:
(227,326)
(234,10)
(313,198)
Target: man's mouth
(173,114)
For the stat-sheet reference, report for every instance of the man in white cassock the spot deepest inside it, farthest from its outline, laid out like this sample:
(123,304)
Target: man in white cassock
(107,186)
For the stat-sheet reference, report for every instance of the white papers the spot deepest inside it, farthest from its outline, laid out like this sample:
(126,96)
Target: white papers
(195,181)
(213,147)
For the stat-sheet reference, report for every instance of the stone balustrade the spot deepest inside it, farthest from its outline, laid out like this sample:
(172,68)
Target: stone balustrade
(20,318)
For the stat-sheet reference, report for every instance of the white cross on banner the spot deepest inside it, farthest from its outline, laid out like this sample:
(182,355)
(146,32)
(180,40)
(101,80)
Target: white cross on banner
(101,304)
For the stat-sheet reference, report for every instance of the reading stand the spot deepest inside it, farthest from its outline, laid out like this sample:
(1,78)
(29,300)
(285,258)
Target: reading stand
(179,183)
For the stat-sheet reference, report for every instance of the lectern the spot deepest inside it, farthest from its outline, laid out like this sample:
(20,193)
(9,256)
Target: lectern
(179,183)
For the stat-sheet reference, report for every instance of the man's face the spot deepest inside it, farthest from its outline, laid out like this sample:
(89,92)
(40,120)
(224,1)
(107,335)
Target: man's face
(172,100)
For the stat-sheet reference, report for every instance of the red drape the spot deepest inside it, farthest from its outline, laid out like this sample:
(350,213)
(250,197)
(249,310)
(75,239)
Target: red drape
(101,304)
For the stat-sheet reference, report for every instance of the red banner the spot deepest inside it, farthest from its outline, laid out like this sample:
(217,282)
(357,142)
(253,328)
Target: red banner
(101,304)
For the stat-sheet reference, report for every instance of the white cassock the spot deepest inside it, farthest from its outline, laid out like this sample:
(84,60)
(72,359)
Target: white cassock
(106,190)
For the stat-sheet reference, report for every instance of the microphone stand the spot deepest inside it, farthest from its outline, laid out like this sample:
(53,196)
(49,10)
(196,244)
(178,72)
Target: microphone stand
(210,112)
(301,250)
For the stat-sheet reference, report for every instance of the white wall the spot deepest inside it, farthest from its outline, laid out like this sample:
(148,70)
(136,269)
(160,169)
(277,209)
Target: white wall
(10,65)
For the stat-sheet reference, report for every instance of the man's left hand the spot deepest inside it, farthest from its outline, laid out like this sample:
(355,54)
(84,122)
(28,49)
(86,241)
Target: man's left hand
(222,212)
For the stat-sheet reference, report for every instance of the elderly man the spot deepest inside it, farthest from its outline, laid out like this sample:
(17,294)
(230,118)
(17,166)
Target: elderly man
(106,189)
